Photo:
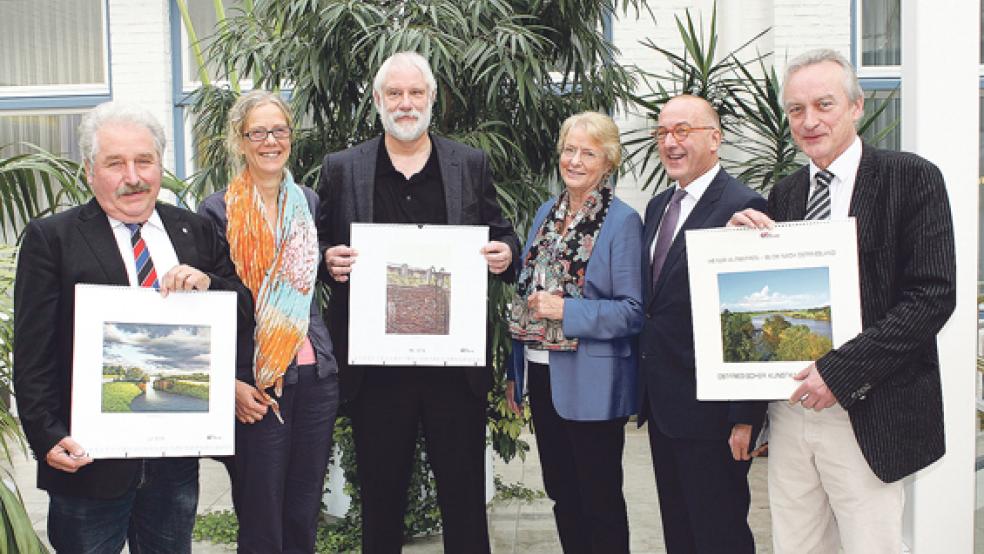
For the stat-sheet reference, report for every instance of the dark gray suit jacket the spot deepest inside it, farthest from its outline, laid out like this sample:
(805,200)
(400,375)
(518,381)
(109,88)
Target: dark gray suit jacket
(346,186)
(78,246)
(667,381)
(888,377)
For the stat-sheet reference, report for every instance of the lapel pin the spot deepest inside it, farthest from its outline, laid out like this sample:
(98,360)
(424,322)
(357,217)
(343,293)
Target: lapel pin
(184,230)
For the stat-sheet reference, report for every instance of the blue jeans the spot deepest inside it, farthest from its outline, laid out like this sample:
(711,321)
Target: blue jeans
(156,516)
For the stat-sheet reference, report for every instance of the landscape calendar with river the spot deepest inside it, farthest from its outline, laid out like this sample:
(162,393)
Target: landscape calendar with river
(155,368)
(769,302)
(153,376)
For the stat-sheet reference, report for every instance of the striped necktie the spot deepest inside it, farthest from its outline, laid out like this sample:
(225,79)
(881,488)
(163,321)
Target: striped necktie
(146,274)
(819,205)
(664,237)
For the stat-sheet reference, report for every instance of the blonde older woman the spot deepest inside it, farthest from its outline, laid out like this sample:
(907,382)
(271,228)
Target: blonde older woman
(287,401)
(574,321)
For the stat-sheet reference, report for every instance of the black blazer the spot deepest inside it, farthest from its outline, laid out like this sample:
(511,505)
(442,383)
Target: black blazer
(666,345)
(214,208)
(888,377)
(346,186)
(78,246)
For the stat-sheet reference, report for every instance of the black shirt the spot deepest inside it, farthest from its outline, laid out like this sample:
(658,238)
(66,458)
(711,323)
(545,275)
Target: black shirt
(419,199)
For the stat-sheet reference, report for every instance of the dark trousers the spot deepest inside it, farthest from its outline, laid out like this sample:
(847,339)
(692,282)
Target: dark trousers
(582,473)
(386,416)
(703,495)
(155,517)
(280,468)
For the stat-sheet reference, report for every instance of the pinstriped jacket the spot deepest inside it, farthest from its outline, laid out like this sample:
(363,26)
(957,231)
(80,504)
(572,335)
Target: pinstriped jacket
(888,377)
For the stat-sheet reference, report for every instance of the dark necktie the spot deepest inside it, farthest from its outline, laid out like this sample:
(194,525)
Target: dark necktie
(664,237)
(146,274)
(819,205)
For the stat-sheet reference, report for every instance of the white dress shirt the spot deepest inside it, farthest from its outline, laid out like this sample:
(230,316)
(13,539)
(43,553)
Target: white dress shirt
(157,241)
(694,191)
(845,169)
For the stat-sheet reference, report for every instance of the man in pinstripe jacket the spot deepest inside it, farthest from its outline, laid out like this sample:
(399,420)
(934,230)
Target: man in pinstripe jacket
(870,412)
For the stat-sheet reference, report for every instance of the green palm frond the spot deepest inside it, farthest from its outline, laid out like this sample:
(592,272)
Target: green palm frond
(867,123)
(16,532)
(697,70)
(35,184)
(766,142)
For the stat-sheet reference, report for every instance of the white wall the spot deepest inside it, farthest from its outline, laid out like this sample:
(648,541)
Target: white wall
(140,50)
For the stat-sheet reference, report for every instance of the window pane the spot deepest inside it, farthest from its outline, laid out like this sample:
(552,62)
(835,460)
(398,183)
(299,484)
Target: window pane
(881,42)
(204,21)
(876,134)
(56,133)
(51,42)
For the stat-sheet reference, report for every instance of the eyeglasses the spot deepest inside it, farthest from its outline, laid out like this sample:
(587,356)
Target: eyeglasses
(680,132)
(261,134)
(587,156)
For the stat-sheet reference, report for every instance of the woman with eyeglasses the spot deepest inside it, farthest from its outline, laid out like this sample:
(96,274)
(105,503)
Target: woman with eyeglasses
(574,319)
(287,401)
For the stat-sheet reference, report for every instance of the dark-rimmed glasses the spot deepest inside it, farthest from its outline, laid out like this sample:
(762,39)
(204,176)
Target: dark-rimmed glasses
(680,132)
(260,135)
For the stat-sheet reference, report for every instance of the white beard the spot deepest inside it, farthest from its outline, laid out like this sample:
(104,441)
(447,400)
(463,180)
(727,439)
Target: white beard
(405,132)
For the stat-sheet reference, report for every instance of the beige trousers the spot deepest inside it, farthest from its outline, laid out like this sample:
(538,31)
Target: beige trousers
(822,493)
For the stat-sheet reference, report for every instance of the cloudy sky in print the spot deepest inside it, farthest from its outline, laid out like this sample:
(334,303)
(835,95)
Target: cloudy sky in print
(782,289)
(170,348)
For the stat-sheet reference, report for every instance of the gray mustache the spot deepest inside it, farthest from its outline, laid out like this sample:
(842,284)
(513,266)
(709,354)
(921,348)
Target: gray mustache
(132,189)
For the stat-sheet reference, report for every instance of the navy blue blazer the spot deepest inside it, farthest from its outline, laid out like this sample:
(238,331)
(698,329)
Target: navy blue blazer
(597,381)
(666,345)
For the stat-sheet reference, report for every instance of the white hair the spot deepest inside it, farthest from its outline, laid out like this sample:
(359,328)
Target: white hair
(852,88)
(117,112)
(405,59)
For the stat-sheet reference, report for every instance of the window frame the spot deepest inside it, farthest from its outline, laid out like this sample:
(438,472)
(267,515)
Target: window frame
(857,55)
(66,95)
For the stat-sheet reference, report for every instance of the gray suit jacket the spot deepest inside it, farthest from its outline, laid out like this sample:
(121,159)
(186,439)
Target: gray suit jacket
(346,186)
(888,377)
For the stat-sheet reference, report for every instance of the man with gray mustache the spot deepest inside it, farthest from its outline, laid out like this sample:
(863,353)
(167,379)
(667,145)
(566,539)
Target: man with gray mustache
(411,176)
(123,236)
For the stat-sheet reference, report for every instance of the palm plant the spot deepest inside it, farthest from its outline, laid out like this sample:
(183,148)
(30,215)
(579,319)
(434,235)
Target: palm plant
(753,117)
(35,184)
(16,532)
(508,74)
(698,71)
(767,148)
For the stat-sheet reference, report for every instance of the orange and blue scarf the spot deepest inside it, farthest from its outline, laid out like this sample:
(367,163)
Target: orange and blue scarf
(279,265)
